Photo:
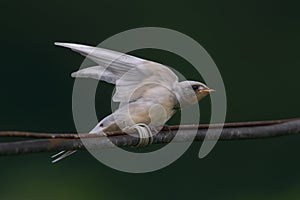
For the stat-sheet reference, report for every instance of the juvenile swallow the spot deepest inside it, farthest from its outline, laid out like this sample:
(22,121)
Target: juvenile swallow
(148,92)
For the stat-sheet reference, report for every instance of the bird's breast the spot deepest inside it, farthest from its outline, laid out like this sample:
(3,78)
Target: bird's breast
(154,108)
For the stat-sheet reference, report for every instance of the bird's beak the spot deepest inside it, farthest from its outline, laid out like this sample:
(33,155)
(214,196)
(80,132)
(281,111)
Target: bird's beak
(207,91)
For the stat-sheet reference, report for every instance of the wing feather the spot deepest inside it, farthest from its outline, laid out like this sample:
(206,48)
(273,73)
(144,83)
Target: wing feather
(96,72)
(131,75)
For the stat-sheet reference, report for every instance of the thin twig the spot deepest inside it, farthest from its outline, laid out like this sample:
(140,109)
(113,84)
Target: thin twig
(234,131)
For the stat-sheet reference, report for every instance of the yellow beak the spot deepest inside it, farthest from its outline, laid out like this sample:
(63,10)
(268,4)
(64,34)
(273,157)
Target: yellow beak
(208,91)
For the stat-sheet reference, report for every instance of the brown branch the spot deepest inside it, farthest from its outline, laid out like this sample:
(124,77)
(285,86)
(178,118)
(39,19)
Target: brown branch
(166,128)
(231,131)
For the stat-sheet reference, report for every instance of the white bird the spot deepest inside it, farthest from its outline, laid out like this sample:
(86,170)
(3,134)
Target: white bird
(148,92)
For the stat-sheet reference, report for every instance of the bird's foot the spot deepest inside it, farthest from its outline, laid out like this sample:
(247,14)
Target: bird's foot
(144,131)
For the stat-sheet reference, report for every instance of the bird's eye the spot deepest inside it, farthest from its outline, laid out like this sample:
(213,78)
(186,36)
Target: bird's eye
(195,87)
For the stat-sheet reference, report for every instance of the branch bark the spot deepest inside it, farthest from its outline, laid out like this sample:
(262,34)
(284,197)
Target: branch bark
(231,131)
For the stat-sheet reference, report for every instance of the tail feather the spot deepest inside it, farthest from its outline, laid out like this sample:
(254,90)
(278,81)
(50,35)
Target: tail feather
(97,129)
(59,153)
(62,155)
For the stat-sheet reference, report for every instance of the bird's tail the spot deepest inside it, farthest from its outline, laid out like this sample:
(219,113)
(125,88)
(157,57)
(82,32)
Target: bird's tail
(61,155)
(97,129)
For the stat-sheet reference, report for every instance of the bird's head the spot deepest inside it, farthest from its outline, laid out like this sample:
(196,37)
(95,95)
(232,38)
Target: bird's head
(190,92)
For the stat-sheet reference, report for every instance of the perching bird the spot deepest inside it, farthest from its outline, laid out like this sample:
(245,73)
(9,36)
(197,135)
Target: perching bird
(148,92)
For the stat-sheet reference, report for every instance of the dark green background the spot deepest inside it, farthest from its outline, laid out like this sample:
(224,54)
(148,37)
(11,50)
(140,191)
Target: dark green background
(255,44)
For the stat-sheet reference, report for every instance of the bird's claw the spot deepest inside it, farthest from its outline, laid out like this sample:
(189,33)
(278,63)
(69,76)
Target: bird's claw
(145,133)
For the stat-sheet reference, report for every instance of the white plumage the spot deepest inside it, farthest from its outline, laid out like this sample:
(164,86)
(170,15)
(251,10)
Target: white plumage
(148,92)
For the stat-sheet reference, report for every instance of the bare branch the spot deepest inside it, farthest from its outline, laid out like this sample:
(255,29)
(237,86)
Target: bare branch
(231,131)
(166,128)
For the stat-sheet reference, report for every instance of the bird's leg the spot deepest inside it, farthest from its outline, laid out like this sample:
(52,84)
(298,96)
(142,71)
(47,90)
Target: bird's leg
(144,132)
(129,130)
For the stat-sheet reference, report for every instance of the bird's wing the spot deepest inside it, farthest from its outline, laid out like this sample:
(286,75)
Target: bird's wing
(131,75)
(135,82)
(98,73)
(111,63)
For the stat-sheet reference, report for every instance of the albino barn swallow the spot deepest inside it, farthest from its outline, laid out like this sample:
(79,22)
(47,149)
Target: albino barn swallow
(148,92)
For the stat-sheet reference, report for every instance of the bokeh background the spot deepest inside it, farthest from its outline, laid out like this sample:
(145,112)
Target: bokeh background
(255,44)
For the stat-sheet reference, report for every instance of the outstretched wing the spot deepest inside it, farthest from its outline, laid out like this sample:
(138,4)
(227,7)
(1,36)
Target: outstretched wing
(131,75)
(112,62)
